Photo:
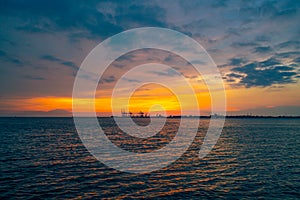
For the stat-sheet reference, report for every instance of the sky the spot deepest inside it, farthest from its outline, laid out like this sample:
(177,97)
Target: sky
(254,44)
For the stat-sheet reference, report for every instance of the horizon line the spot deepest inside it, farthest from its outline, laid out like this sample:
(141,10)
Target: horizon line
(170,116)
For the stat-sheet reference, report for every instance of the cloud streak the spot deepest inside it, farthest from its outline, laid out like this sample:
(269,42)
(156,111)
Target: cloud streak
(54,59)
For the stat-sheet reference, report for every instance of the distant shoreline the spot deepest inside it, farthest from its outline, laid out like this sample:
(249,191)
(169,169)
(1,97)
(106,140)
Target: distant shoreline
(174,117)
(235,116)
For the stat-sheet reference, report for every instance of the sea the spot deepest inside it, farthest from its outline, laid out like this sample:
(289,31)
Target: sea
(254,158)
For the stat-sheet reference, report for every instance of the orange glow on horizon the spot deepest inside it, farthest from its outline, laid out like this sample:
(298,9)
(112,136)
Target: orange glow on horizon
(142,99)
(238,99)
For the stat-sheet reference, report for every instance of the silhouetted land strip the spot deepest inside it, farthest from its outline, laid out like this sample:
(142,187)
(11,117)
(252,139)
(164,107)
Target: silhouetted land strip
(233,116)
(172,116)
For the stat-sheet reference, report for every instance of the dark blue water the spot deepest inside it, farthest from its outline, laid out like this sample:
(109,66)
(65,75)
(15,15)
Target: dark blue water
(254,158)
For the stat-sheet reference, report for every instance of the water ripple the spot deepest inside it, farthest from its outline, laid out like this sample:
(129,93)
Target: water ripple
(44,158)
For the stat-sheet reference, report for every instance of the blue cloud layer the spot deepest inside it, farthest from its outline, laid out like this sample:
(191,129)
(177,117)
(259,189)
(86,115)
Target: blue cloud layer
(255,43)
(262,74)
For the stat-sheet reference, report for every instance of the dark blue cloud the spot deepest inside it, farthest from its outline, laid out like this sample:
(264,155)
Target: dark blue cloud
(11,59)
(131,80)
(167,73)
(284,68)
(54,16)
(50,58)
(243,44)
(127,57)
(262,50)
(275,10)
(286,13)
(2,53)
(219,3)
(109,79)
(269,62)
(233,75)
(137,15)
(36,78)
(234,62)
(16,61)
(289,44)
(262,74)
(289,54)
(82,18)
(297,60)
(262,38)
(69,64)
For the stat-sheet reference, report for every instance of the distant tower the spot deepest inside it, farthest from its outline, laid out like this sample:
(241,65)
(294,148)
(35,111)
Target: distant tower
(141,114)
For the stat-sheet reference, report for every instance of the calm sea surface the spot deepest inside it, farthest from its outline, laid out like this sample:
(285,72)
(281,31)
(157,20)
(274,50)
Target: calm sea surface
(45,158)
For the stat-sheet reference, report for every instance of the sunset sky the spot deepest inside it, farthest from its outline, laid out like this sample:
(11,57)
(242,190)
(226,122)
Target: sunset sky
(255,44)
